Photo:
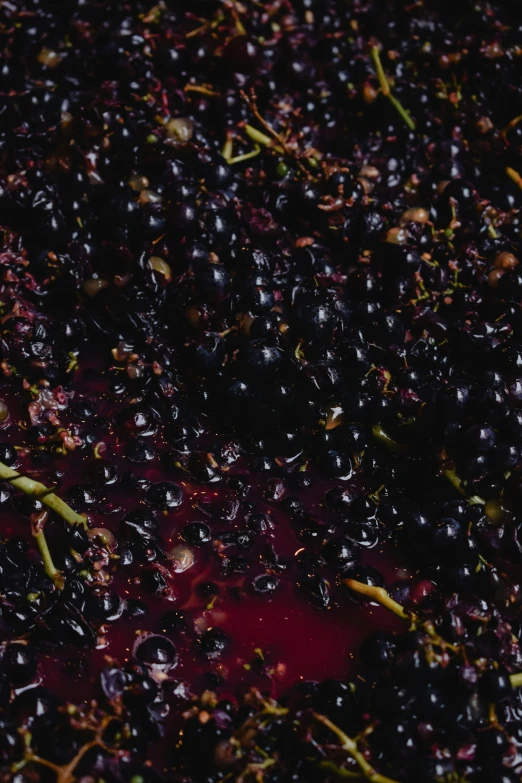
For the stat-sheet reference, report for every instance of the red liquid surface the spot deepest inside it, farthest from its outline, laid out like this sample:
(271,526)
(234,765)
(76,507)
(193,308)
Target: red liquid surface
(274,641)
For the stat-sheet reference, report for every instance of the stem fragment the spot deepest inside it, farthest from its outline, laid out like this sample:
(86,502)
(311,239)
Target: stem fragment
(393,445)
(350,746)
(378,594)
(246,156)
(514,176)
(228,148)
(386,89)
(455,479)
(38,490)
(397,105)
(50,569)
(261,138)
(383,81)
(452,476)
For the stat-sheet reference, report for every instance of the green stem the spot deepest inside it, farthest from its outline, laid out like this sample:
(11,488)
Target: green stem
(455,479)
(514,176)
(402,111)
(38,490)
(350,746)
(340,772)
(383,81)
(50,569)
(228,148)
(460,486)
(386,89)
(378,594)
(246,156)
(269,707)
(393,445)
(261,138)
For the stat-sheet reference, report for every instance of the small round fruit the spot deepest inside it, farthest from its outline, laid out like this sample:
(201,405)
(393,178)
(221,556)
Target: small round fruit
(164,495)
(196,533)
(213,642)
(156,650)
(19,663)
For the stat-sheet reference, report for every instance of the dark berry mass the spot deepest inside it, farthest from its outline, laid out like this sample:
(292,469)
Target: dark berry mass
(260,391)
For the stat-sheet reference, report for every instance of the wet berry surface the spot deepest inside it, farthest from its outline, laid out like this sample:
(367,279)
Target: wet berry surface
(260,392)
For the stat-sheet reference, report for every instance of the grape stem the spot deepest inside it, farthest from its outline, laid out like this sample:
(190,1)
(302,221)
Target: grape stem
(50,568)
(380,595)
(246,156)
(350,746)
(514,176)
(38,490)
(261,138)
(391,444)
(449,472)
(386,89)
(65,773)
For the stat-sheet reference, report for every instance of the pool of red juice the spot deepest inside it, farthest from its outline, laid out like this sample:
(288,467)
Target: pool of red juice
(274,641)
